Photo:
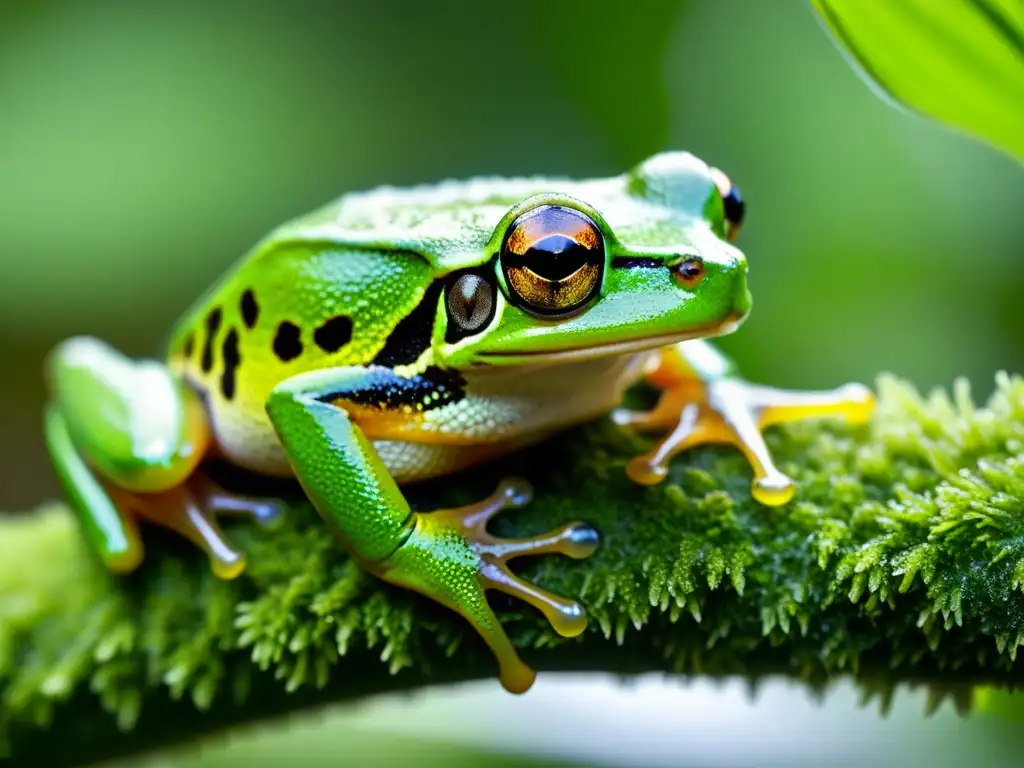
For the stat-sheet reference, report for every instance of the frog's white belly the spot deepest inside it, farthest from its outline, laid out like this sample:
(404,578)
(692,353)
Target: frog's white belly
(504,409)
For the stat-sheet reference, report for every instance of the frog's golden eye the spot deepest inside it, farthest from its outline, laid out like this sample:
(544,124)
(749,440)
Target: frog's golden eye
(552,258)
(732,203)
(470,303)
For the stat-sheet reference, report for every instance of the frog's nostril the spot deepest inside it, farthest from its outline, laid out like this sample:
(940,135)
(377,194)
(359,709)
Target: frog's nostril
(689,272)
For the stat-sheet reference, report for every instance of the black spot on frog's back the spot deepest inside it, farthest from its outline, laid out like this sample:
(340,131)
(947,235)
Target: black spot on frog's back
(287,341)
(213,321)
(334,334)
(250,308)
(232,359)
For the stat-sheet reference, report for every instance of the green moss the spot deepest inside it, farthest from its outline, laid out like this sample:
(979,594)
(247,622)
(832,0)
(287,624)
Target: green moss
(902,559)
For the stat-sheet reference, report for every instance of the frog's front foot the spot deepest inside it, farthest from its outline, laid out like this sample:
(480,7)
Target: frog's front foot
(450,557)
(731,411)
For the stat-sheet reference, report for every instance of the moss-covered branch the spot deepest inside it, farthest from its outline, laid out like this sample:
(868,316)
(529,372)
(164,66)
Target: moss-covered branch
(902,559)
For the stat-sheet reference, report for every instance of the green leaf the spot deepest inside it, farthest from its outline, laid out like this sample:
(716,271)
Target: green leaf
(960,62)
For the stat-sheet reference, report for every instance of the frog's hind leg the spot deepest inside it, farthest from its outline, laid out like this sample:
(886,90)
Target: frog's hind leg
(126,438)
(451,557)
(704,402)
(111,529)
(327,421)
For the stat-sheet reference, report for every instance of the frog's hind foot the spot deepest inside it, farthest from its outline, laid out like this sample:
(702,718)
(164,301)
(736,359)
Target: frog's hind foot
(576,540)
(265,512)
(451,557)
(734,412)
(126,438)
(191,510)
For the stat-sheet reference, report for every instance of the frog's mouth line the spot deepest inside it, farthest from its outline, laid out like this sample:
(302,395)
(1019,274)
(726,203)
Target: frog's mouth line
(579,354)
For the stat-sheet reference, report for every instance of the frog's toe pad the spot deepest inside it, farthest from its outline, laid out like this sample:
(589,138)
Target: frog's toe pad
(581,540)
(774,490)
(859,402)
(566,617)
(515,676)
(647,470)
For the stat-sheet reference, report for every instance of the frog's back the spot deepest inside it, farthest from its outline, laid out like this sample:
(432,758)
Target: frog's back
(356,282)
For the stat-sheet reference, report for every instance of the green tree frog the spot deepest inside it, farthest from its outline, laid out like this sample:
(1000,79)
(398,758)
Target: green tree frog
(397,335)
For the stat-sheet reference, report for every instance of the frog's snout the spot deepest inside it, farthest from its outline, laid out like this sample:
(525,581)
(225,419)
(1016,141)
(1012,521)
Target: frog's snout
(733,288)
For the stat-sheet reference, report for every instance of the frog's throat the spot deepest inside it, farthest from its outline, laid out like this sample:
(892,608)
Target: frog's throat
(579,354)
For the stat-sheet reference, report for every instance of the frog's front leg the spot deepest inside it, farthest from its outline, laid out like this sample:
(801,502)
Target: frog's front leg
(125,439)
(704,401)
(447,555)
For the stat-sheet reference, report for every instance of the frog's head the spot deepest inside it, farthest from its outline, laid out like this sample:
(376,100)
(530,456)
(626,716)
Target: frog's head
(604,267)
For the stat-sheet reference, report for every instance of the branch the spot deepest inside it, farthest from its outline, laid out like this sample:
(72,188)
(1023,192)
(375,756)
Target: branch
(901,560)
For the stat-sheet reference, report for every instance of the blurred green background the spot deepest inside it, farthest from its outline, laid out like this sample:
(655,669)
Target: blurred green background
(145,146)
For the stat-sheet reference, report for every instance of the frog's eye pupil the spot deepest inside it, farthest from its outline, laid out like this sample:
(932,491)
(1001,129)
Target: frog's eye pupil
(470,305)
(553,258)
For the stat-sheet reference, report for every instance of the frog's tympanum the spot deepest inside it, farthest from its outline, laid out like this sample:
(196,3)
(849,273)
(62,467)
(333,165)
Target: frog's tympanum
(402,334)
